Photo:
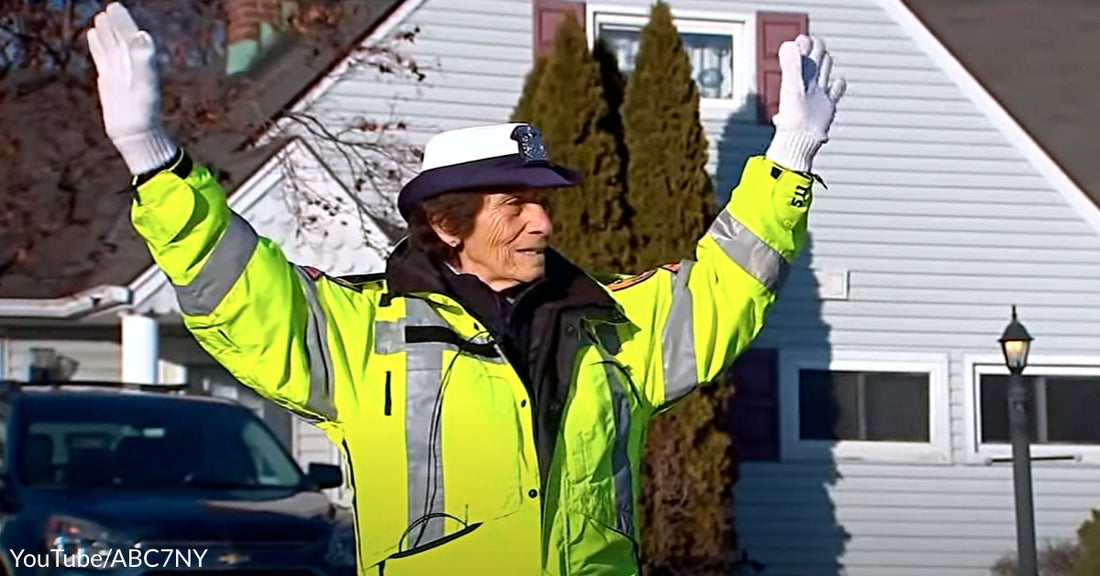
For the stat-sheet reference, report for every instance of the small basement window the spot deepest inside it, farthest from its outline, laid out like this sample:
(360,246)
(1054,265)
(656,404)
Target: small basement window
(865,405)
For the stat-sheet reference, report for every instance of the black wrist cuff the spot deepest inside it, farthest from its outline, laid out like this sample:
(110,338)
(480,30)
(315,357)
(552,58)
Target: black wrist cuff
(180,164)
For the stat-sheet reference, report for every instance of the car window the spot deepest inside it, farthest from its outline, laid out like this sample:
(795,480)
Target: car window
(180,445)
(272,467)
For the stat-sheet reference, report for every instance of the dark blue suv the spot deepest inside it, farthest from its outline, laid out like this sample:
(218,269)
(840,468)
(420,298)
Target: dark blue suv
(142,483)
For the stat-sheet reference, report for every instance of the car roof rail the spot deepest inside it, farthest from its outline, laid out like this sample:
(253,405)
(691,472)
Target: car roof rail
(14,386)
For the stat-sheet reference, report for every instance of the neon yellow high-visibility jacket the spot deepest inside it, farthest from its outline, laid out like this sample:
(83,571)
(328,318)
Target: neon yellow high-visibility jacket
(435,424)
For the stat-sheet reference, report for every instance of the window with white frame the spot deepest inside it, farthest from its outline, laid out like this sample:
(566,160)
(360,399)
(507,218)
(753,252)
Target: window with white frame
(717,48)
(868,405)
(1063,404)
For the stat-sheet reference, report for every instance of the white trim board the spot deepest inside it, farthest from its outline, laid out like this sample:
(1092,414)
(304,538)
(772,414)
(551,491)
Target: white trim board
(993,111)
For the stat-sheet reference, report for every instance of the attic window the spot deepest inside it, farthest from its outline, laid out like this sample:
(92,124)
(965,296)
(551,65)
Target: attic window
(716,49)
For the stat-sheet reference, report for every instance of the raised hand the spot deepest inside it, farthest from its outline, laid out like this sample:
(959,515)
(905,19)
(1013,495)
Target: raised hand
(129,90)
(807,103)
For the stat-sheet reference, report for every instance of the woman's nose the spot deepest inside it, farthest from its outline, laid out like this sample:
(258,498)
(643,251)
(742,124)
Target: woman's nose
(538,219)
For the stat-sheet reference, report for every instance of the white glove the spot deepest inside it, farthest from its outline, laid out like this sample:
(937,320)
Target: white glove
(807,103)
(128,89)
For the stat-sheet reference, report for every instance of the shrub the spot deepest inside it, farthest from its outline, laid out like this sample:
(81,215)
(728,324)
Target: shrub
(1088,540)
(1053,559)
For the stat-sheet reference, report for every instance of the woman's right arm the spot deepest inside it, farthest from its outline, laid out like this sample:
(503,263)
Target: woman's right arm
(270,323)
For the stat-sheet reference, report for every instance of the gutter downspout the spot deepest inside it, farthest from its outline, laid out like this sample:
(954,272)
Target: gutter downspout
(69,307)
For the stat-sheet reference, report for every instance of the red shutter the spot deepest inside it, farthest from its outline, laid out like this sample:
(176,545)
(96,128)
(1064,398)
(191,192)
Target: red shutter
(772,30)
(754,407)
(547,15)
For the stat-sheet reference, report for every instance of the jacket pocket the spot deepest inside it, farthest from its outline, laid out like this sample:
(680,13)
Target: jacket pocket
(596,544)
(455,553)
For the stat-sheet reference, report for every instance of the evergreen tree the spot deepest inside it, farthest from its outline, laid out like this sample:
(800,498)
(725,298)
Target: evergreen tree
(570,109)
(523,111)
(689,463)
(668,149)
(614,90)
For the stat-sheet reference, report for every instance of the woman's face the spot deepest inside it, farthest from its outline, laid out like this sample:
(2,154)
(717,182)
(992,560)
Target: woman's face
(509,239)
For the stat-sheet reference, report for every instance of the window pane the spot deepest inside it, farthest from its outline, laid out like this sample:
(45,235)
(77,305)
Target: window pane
(1073,409)
(711,56)
(817,420)
(873,406)
(896,407)
(622,41)
(994,408)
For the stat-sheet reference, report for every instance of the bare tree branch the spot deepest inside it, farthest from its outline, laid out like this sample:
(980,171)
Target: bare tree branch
(61,179)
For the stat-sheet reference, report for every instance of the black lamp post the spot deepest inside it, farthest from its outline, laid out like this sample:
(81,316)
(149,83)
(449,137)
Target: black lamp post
(1016,343)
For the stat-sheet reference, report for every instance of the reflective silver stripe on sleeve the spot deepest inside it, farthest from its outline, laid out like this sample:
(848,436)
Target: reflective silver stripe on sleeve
(321,376)
(678,339)
(751,253)
(225,266)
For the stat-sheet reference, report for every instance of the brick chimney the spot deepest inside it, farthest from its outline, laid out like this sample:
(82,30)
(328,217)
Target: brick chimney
(251,26)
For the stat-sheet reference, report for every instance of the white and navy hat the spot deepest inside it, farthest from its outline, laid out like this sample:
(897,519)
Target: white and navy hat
(484,157)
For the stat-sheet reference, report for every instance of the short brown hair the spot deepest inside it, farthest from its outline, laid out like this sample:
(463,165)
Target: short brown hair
(454,212)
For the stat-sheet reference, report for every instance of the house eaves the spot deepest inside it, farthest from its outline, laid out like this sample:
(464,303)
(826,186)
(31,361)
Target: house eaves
(94,301)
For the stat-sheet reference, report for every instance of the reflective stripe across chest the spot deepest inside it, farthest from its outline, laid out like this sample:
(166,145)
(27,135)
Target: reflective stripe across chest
(427,380)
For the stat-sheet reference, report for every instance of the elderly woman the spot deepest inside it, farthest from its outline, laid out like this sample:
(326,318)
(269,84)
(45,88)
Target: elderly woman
(491,398)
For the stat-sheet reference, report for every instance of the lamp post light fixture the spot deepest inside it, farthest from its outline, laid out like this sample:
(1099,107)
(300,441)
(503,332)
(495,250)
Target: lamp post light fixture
(1016,343)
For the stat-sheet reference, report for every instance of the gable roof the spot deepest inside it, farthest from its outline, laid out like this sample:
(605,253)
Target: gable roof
(103,249)
(1036,59)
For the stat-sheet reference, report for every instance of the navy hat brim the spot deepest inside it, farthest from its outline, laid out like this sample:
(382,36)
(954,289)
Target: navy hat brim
(483,175)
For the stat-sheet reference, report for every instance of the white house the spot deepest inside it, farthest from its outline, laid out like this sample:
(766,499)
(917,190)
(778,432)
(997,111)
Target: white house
(956,189)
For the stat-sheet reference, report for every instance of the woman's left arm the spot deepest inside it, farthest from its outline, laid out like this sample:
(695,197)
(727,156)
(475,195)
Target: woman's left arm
(707,310)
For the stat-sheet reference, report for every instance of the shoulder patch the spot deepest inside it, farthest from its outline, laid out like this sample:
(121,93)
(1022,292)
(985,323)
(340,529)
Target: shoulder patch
(312,273)
(620,283)
(629,281)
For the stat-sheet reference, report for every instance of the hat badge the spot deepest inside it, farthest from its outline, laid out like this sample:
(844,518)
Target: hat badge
(531,147)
